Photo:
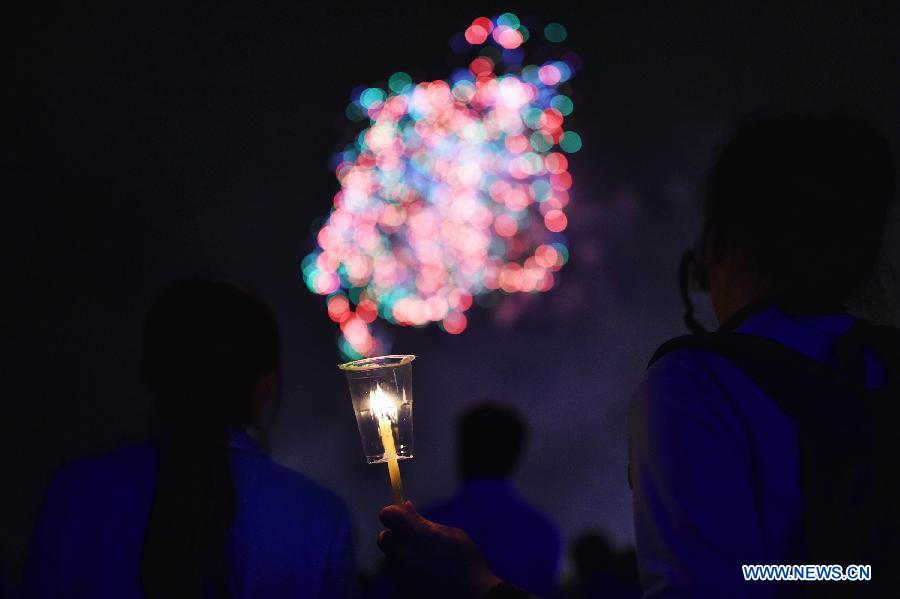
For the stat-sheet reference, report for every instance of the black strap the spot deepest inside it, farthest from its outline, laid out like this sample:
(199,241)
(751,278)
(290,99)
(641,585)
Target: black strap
(846,437)
(782,373)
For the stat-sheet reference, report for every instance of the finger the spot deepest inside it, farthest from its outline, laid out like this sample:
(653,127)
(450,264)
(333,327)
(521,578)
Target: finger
(389,540)
(402,519)
(387,543)
(395,547)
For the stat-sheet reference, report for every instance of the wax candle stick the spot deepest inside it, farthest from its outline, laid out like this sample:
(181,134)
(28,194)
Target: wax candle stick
(390,454)
(385,410)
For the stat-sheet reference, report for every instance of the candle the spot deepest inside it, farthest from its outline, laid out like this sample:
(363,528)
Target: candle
(381,391)
(384,408)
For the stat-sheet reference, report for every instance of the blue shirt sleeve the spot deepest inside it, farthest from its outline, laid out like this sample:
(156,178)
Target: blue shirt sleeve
(690,466)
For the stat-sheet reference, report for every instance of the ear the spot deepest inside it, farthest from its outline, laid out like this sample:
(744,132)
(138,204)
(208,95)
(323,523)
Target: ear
(262,392)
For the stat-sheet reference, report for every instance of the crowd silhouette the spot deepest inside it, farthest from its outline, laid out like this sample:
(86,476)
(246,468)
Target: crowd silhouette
(766,442)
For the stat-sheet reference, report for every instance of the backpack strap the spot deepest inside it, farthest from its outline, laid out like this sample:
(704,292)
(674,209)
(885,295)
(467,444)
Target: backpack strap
(784,374)
(846,439)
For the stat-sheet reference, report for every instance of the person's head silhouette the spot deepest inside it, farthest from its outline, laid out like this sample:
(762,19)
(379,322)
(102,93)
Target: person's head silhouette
(211,361)
(491,439)
(211,356)
(795,211)
(592,555)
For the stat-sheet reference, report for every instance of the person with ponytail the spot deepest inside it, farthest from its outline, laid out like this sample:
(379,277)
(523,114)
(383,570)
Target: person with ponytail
(200,511)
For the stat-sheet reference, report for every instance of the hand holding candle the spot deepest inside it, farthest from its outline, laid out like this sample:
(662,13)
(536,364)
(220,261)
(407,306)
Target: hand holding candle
(381,390)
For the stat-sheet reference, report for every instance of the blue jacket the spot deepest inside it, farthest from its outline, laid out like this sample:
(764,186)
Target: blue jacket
(290,538)
(715,466)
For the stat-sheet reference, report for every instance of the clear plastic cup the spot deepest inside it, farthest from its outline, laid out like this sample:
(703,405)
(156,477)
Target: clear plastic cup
(381,391)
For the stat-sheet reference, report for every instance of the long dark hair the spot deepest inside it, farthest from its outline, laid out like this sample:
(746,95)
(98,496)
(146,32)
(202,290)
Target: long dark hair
(207,343)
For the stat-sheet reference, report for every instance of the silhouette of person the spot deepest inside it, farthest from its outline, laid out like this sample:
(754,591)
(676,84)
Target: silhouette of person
(769,440)
(599,572)
(199,511)
(723,444)
(520,542)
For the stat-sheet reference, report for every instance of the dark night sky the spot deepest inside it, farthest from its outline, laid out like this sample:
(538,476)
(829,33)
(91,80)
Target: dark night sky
(147,143)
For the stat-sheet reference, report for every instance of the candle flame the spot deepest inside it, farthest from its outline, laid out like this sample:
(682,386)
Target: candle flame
(382,404)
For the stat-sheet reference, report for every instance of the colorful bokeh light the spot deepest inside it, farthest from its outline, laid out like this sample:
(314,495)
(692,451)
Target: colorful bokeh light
(554,32)
(455,189)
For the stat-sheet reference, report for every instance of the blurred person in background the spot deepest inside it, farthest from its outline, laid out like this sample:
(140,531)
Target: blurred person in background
(770,441)
(600,572)
(200,511)
(519,541)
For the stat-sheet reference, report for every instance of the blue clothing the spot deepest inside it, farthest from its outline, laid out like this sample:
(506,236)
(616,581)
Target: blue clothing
(521,544)
(715,466)
(290,538)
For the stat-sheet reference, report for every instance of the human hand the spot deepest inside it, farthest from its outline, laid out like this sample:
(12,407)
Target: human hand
(431,560)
